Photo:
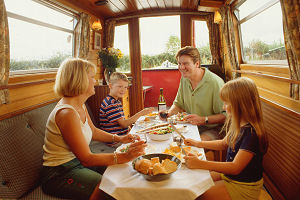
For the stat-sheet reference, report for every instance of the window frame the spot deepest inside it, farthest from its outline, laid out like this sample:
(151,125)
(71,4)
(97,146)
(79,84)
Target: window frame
(120,23)
(251,15)
(58,8)
(200,18)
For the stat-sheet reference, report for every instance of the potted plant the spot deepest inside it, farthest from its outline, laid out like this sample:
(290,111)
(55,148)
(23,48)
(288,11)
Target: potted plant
(110,60)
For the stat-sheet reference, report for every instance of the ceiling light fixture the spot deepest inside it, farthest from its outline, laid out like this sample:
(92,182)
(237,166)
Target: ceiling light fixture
(101,2)
(217,17)
(97,25)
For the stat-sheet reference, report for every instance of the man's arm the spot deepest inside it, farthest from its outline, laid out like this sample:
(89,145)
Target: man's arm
(200,120)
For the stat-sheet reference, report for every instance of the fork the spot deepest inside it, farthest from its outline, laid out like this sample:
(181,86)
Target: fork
(179,142)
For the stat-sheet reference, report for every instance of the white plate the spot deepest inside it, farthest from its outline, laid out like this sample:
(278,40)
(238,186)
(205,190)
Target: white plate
(180,155)
(149,148)
(181,128)
(159,137)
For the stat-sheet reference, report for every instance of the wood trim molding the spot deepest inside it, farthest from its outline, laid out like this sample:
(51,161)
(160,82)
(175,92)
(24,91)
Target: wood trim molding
(278,106)
(18,112)
(268,76)
(136,91)
(272,188)
(20,85)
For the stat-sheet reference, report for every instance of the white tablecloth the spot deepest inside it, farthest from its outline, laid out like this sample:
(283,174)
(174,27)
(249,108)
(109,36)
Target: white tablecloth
(123,182)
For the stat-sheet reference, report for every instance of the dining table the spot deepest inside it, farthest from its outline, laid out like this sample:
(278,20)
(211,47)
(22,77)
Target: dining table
(123,182)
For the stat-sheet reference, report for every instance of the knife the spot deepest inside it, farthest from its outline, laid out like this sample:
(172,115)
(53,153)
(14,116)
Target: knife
(176,130)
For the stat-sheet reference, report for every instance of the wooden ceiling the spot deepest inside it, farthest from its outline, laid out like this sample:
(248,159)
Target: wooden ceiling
(120,8)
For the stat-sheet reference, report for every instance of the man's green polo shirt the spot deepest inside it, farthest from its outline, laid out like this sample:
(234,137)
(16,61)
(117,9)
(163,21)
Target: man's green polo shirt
(205,99)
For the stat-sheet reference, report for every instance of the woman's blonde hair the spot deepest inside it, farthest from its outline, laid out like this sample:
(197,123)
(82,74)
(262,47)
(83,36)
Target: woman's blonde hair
(114,77)
(72,77)
(189,51)
(242,95)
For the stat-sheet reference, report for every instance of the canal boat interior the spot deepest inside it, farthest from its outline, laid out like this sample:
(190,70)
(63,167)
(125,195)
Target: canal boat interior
(237,45)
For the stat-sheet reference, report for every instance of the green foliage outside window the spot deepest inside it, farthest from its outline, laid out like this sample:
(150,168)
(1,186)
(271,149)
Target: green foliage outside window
(52,62)
(259,50)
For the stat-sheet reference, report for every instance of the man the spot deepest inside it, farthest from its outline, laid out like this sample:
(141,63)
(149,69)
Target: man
(198,94)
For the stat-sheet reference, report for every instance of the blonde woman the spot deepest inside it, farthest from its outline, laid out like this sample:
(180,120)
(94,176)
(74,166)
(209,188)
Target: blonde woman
(240,177)
(67,157)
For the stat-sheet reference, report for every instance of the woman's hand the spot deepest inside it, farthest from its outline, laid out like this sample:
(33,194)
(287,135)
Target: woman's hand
(129,138)
(194,119)
(192,161)
(191,142)
(135,149)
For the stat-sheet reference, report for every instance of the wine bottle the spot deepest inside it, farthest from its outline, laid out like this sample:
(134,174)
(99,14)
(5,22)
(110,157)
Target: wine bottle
(162,105)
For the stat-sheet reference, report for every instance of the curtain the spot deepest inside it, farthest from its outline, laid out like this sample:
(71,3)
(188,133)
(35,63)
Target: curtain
(82,36)
(109,33)
(214,41)
(228,31)
(4,54)
(291,28)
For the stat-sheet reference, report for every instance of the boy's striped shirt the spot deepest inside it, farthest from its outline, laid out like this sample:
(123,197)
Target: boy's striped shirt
(111,110)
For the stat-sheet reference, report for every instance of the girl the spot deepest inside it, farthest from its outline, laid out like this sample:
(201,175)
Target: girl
(240,177)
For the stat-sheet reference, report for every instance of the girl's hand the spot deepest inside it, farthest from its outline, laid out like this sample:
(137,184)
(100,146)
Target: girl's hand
(135,149)
(192,161)
(191,142)
(129,138)
(194,119)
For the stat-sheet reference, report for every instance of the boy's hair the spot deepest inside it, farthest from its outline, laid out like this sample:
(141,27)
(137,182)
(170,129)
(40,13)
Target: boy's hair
(189,51)
(243,97)
(114,77)
(72,77)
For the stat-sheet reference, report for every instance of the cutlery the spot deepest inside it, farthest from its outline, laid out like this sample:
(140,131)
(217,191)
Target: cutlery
(176,130)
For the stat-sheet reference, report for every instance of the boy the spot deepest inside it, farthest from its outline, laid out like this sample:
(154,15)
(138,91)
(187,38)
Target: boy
(111,111)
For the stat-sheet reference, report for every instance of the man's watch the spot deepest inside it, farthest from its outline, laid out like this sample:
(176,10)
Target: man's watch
(206,120)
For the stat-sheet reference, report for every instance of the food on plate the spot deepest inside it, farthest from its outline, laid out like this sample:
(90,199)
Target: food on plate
(147,119)
(154,167)
(174,147)
(152,115)
(161,130)
(124,149)
(180,116)
(175,150)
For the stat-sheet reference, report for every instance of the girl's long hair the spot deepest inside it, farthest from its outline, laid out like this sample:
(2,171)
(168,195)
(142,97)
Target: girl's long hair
(242,95)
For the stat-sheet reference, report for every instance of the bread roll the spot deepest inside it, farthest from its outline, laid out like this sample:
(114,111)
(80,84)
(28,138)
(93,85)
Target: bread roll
(169,166)
(155,160)
(143,166)
(158,169)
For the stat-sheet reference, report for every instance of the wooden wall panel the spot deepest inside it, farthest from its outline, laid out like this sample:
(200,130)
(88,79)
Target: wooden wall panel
(281,88)
(282,161)
(136,90)
(274,89)
(186,30)
(95,101)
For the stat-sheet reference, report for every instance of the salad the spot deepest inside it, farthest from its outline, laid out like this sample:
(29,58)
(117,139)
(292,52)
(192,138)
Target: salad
(162,130)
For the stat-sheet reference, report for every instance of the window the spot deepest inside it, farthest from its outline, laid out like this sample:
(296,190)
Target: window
(262,32)
(160,40)
(40,36)
(121,41)
(201,41)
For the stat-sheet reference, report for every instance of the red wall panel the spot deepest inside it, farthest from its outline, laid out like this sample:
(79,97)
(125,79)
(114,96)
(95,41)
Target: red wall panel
(160,78)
